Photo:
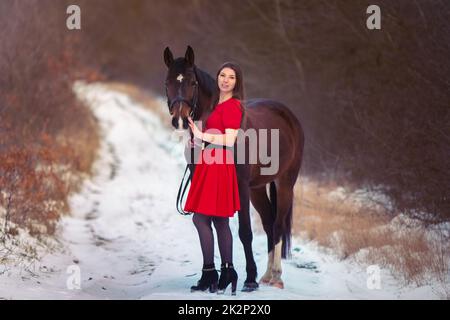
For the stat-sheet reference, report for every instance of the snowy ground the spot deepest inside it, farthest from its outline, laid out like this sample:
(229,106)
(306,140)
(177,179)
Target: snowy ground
(125,239)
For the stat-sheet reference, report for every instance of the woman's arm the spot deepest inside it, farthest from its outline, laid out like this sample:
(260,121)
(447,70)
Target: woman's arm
(226,139)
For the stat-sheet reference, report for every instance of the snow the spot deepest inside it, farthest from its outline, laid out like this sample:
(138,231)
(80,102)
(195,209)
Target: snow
(127,240)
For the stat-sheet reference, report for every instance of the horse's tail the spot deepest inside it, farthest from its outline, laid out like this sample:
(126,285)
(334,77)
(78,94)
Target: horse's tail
(286,237)
(287,224)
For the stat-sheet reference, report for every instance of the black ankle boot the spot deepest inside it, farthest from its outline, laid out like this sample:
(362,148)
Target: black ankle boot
(227,275)
(208,280)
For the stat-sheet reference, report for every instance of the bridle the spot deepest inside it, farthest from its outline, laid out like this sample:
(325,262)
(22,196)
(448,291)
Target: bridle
(179,98)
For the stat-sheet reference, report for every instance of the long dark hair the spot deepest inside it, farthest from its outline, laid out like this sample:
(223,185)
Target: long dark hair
(238,90)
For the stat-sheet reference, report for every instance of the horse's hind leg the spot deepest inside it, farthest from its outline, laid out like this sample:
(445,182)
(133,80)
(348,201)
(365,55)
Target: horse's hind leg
(261,203)
(282,228)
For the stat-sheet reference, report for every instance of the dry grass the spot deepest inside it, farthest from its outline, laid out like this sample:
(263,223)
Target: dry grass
(83,142)
(368,235)
(324,219)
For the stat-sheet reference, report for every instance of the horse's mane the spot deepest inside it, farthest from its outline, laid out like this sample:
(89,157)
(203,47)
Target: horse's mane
(206,82)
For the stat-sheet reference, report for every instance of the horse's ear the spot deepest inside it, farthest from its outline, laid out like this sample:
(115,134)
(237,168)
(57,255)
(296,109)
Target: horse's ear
(189,56)
(168,57)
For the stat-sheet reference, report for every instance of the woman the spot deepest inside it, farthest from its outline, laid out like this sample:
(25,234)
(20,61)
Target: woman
(213,195)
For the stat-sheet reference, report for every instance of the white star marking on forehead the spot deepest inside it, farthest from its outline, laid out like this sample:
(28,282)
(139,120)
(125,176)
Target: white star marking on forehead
(180,77)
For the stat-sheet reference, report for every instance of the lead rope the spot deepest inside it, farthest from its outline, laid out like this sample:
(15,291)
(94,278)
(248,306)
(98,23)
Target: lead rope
(180,199)
(180,195)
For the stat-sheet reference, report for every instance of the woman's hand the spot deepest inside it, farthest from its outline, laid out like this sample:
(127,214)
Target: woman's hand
(195,130)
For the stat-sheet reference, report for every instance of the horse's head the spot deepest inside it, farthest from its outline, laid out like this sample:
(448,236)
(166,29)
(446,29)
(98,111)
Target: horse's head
(182,87)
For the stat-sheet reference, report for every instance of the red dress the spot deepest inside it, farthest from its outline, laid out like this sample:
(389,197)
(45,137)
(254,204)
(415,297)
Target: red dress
(214,188)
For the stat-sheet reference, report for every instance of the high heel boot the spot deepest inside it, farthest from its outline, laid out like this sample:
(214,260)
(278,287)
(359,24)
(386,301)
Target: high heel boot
(227,275)
(208,280)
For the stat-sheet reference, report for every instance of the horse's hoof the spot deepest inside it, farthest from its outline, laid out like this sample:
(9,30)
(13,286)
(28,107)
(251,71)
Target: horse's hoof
(277,284)
(250,286)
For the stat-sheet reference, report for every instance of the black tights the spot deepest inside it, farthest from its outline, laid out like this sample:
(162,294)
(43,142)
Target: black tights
(203,224)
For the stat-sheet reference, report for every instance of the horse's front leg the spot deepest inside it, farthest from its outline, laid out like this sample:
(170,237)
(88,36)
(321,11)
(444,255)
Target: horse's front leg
(246,236)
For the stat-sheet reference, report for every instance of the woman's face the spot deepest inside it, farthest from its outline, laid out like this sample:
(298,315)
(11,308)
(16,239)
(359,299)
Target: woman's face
(226,80)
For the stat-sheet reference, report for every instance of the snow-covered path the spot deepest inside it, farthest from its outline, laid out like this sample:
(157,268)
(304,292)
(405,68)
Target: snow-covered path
(128,241)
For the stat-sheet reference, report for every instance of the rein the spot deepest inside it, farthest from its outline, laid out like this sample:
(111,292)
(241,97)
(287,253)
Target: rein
(191,167)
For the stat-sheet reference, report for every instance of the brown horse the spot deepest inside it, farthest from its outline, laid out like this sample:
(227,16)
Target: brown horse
(190,91)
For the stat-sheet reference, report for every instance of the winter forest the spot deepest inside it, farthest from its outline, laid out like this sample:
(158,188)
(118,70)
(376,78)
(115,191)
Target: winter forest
(89,171)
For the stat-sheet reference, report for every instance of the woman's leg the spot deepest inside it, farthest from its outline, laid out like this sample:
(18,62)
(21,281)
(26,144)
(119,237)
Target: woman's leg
(209,273)
(203,224)
(225,238)
(227,273)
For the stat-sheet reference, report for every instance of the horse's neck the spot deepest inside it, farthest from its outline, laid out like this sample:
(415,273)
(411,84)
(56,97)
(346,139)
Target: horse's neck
(205,106)
(206,93)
